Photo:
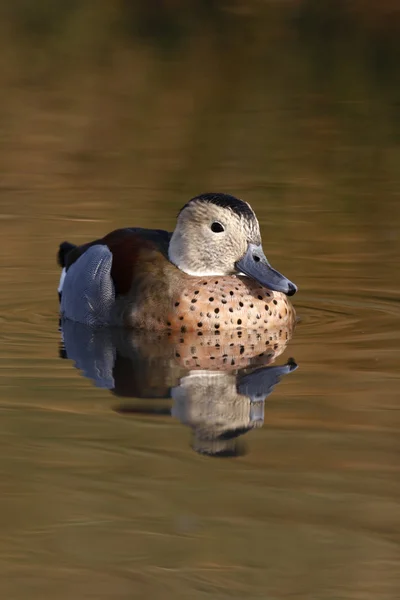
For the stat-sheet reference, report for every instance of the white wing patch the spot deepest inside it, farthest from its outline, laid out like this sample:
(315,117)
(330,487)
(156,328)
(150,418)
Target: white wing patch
(61,284)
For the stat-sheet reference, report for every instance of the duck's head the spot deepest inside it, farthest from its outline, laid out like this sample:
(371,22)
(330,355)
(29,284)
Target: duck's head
(217,234)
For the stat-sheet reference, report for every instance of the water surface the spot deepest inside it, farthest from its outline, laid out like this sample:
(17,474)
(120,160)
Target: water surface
(108,495)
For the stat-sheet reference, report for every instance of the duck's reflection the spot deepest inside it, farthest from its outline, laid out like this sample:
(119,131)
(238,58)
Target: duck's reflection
(218,382)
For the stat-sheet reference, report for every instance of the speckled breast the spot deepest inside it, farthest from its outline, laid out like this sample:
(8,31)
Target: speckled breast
(212,303)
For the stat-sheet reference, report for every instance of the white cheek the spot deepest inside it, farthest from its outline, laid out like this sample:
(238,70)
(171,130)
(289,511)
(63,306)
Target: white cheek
(60,285)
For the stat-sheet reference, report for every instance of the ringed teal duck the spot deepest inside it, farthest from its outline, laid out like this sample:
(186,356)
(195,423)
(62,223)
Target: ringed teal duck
(209,274)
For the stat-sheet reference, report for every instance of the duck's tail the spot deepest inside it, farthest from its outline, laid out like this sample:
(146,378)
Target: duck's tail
(64,249)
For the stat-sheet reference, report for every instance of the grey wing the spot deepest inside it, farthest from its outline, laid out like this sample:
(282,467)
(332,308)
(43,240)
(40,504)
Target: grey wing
(88,293)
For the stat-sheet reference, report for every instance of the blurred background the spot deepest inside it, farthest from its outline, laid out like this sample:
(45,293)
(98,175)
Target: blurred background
(115,113)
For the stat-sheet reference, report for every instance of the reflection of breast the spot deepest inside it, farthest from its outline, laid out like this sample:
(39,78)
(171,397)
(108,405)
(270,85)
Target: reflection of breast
(230,350)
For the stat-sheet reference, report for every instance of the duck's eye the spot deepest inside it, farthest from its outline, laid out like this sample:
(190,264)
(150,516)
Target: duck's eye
(217,227)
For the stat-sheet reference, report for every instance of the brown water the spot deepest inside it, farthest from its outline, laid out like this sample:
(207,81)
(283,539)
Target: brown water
(104,495)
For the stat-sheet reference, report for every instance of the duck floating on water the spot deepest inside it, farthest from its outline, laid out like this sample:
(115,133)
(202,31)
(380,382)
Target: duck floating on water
(210,274)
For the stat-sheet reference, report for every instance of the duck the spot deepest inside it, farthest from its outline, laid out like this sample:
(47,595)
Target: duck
(210,274)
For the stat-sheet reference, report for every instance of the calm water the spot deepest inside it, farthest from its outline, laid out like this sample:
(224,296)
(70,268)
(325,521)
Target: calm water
(103,492)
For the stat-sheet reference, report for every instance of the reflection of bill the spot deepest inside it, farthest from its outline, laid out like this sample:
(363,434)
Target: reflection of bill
(218,382)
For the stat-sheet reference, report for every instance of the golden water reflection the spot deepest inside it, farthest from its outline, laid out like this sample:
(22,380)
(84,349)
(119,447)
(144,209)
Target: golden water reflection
(112,116)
